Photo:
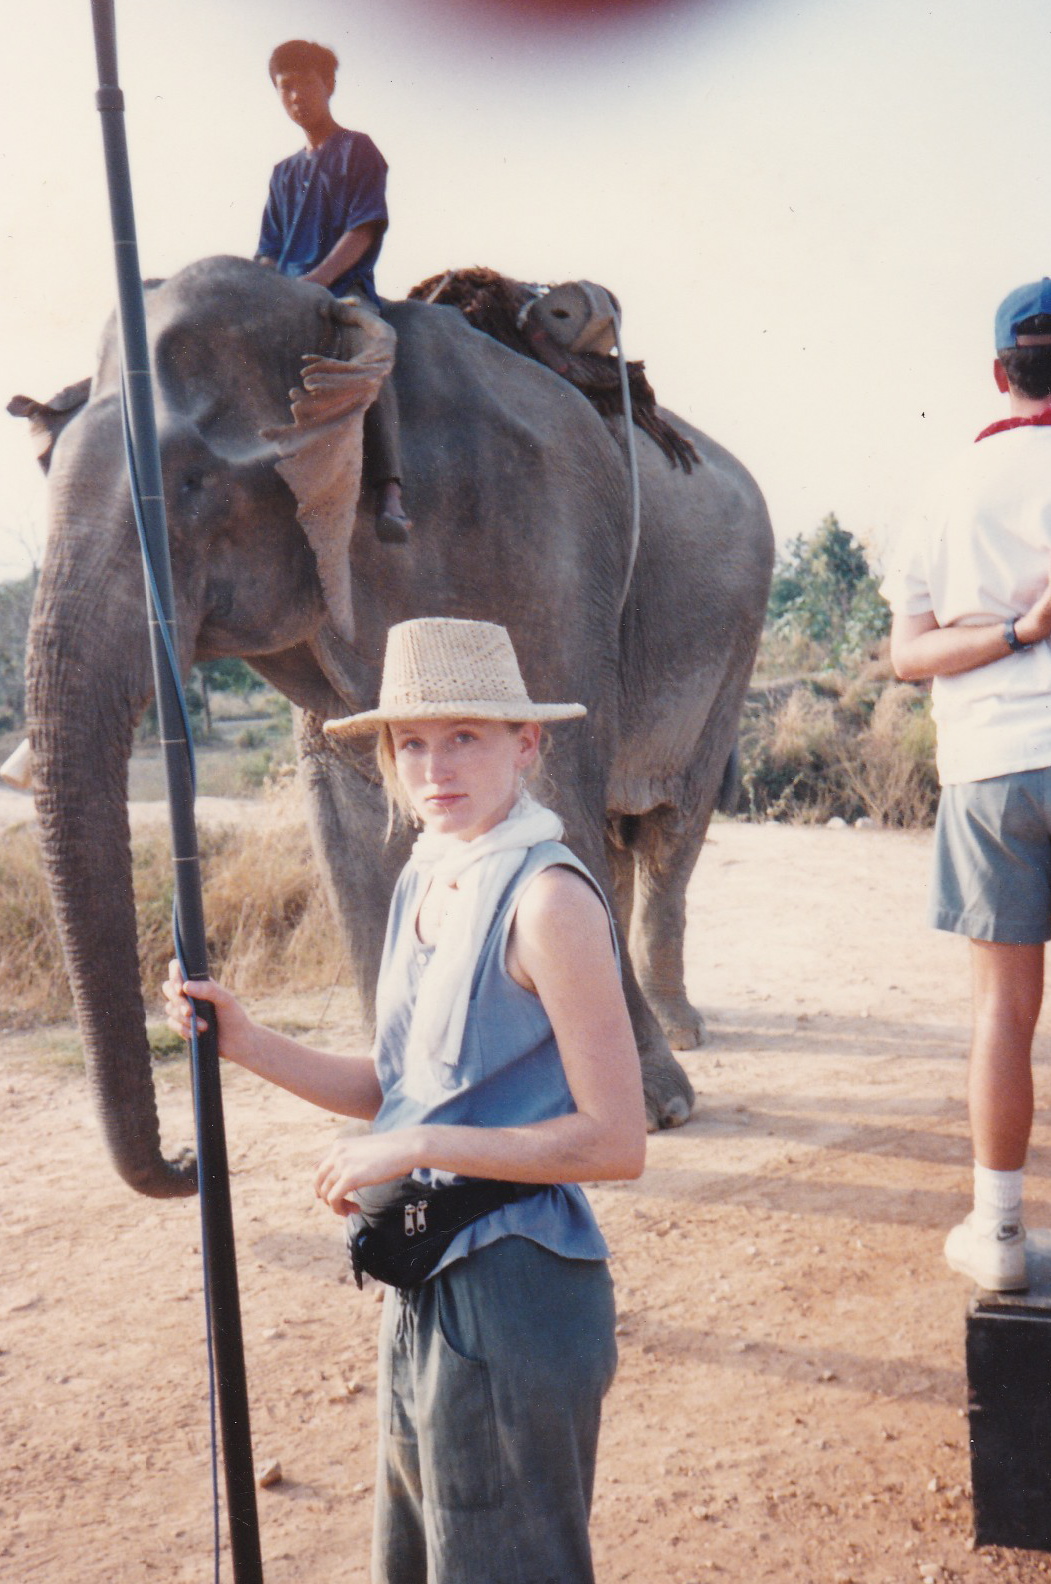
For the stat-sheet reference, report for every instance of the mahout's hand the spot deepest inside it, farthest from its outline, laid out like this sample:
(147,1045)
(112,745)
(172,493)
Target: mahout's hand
(361,1162)
(235,1027)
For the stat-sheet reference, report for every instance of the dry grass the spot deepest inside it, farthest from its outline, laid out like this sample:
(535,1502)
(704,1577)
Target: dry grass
(855,747)
(32,973)
(269,923)
(789,740)
(890,768)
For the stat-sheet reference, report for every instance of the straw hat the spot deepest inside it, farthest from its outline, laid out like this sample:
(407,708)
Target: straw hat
(438,668)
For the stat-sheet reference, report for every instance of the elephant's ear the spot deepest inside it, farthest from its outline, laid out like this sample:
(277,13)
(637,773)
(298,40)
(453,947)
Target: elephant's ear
(321,449)
(48,419)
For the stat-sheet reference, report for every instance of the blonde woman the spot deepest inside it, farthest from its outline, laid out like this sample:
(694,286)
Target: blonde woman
(504,1074)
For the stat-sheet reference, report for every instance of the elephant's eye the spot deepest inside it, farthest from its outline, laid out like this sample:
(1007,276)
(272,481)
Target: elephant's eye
(560,313)
(194,481)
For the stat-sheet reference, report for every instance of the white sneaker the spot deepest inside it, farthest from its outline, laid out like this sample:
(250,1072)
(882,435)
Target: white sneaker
(992,1255)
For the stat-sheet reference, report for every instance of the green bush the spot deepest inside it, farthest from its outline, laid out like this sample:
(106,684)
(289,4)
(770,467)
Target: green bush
(262,766)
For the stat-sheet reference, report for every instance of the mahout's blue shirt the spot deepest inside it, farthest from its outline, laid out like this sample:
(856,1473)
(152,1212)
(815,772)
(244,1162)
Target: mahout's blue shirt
(315,197)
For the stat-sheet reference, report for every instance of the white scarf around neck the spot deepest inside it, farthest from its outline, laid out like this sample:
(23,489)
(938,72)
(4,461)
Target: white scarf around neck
(480,870)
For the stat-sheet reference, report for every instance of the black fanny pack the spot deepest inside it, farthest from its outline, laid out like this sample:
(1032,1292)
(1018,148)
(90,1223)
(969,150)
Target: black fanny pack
(404,1227)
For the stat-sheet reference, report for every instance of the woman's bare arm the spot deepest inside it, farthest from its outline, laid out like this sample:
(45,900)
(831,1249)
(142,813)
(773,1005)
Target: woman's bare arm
(563,950)
(346,1085)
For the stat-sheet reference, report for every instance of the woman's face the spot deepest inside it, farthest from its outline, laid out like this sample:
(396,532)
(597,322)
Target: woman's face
(462,777)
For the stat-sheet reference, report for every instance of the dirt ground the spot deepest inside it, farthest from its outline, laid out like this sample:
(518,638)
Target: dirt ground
(789,1404)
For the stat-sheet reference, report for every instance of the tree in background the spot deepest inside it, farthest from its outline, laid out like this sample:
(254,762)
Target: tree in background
(824,595)
(220,676)
(231,676)
(211,676)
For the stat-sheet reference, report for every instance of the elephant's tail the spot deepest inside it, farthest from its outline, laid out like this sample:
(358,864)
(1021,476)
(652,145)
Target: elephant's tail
(730,786)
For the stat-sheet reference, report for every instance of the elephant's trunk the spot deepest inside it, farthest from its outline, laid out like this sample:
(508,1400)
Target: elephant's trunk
(87,679)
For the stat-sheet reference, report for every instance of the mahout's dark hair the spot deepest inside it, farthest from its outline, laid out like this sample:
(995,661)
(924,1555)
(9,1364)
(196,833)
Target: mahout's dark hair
(302,55)
(1028,368)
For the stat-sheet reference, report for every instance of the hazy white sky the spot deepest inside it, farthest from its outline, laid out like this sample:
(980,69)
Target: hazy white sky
(808,209)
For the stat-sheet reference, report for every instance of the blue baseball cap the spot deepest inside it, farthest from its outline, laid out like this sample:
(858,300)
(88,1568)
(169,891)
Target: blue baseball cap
(1025,302)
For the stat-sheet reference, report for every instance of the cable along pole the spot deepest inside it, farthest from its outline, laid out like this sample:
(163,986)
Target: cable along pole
(144,465)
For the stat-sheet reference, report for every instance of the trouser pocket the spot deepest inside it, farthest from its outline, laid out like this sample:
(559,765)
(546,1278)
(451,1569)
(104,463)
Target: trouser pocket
(462,1463)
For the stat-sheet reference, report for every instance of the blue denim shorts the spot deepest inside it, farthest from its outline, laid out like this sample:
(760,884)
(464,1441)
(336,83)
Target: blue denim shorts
(491,1380)
(992,859)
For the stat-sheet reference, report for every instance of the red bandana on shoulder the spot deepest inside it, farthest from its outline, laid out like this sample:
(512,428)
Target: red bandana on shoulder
(1040,420)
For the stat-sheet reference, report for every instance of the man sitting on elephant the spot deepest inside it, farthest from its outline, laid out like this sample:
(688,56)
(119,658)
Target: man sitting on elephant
(324,221)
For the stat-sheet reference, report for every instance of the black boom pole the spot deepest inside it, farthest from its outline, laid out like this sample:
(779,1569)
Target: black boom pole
(217,1242)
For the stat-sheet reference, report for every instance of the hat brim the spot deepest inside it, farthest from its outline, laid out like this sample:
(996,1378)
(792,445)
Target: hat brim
(458,709)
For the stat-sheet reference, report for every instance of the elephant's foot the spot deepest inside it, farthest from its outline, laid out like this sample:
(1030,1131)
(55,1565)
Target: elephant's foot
(668,1092)
(687,1035)
(682,1023)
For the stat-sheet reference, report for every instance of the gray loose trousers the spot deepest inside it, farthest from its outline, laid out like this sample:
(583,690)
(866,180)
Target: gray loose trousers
(490,1393)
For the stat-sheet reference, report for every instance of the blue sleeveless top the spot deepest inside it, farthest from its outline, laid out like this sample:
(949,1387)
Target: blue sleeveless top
(509,1071)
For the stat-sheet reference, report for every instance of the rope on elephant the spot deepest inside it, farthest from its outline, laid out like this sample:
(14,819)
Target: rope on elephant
(494,303)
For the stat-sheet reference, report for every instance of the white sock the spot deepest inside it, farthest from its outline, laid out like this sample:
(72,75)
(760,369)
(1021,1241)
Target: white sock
(997,1194)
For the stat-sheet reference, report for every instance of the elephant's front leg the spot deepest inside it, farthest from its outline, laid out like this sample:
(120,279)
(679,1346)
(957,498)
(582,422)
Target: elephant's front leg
(669,1093)
(348,820)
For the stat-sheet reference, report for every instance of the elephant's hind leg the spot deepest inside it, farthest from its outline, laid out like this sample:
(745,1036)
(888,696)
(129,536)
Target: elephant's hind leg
(668,1091)
(665,847)
(619,831)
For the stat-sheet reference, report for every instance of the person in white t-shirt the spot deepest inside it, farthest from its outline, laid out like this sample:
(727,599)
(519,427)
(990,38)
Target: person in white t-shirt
(971,600)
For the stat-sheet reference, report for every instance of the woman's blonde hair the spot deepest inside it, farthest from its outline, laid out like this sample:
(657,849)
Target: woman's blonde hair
(398,803)
(397,799)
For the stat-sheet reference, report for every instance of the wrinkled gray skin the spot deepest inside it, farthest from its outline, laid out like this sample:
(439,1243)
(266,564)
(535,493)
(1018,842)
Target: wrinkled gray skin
(519,496)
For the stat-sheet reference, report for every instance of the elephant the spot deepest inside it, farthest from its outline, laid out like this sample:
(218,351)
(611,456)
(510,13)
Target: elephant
(522,508)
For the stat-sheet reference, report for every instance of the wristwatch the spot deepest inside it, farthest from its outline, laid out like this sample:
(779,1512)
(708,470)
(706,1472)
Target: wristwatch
(1011,638)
